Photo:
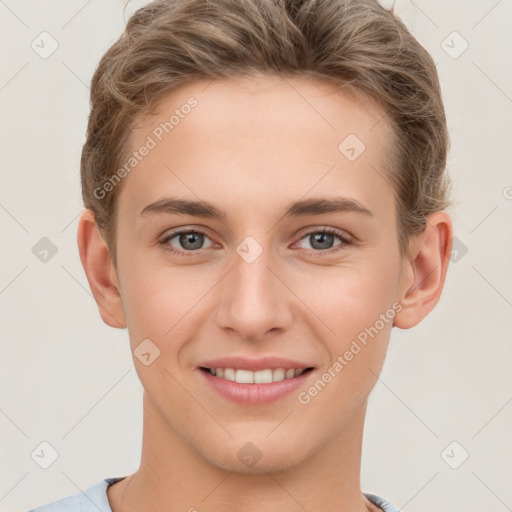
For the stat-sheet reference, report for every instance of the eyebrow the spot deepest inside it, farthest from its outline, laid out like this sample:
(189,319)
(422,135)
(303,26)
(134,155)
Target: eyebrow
(313,206)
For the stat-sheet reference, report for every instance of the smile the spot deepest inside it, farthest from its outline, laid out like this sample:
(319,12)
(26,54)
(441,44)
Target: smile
(265,376)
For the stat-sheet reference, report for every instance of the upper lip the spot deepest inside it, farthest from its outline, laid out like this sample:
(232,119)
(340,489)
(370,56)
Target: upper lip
(262,363)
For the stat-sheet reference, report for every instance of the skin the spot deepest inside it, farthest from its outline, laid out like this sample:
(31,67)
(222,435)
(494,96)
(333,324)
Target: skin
(251,147)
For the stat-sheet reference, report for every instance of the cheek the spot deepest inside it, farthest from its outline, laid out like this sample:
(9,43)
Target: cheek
(361,317)
(357,305)
(161,301)
(351,298)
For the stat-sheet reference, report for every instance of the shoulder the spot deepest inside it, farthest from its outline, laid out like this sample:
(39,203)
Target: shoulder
(92,499)
(382,503)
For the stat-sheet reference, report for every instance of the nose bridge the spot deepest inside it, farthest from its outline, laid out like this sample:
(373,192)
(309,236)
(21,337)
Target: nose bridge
(254,300)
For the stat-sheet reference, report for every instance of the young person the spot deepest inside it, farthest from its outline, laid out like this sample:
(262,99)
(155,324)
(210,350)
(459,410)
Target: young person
(265,194)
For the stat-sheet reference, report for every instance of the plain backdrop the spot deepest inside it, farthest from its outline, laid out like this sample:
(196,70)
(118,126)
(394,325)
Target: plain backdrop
(68,380)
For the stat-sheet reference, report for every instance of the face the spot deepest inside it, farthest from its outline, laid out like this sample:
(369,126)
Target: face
(289,260)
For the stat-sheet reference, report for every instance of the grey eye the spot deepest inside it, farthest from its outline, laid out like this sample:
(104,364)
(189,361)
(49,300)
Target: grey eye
(321,241)
(191,241)
(187,240)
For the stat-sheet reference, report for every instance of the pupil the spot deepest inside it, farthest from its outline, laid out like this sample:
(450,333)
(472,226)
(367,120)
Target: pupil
(187,238)
(321,237)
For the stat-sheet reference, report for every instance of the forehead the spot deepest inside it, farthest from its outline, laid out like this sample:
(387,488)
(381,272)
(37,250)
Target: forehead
(244,138)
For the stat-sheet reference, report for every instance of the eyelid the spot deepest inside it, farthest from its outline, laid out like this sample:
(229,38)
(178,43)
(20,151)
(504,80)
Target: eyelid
(170,233)
(328,229)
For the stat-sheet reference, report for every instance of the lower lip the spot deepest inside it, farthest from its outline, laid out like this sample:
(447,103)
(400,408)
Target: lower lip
(255,394)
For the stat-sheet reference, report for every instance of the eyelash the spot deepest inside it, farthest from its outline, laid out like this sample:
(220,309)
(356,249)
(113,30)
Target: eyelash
(311,252)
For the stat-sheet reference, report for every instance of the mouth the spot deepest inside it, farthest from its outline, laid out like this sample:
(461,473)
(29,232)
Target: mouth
(264,376)
(255,381)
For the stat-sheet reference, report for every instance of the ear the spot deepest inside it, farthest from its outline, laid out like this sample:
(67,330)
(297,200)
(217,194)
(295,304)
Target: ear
(100,271)
(424,271)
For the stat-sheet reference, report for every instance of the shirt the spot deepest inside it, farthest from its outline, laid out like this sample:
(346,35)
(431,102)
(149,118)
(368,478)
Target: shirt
(95,499)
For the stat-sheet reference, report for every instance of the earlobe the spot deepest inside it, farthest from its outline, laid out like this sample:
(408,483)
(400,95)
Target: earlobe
(100,271)
(425,270)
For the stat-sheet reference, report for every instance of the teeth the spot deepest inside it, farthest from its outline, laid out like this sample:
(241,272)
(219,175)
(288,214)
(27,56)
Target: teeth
(244,376)
(262,376)
(257,377)
(229,374)
(278,374)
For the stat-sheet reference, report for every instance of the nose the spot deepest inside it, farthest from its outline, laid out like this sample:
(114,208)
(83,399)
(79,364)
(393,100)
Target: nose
(254,298)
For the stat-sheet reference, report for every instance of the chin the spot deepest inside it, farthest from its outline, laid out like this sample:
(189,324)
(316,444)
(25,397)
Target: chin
(254,458)
(269,464)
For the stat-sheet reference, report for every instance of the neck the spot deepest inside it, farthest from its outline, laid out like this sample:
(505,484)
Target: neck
(173,476)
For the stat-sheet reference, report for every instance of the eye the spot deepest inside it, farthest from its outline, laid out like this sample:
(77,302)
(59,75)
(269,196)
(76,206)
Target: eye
(190,240)
(322,241)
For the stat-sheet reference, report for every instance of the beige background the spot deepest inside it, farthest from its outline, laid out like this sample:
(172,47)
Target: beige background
(69,380)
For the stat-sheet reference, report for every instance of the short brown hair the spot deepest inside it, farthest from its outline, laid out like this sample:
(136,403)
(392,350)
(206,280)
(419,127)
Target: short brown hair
(355,43)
